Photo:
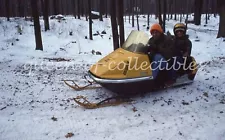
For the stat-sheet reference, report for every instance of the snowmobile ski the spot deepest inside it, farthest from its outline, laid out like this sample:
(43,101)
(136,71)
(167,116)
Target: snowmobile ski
(118,100)
(76,87)
(112,101)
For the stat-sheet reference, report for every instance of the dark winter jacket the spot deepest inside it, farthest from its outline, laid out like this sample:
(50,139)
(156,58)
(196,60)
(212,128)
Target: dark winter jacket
(163,46)
(182,45)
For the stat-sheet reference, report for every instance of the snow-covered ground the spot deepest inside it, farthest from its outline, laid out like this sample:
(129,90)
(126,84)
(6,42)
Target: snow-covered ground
(35,104)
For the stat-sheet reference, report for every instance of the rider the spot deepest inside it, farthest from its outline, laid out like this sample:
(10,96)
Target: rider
(160,43)
(182,44)
(161,48)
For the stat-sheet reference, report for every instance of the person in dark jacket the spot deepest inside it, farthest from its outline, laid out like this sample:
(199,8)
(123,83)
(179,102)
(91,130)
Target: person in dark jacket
(160,43)
(182,43)
(161,49)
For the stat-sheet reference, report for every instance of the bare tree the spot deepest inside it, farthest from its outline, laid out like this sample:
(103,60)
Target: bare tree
(13,9)
(61,7)
(128,10)
(20,8)
(164,14)
(148,18)
(171,8)
(67,7)
(56,7)
(90,20)
(198,12)
(7,6)
(221,10)
(114,24)
(187,11)
(158,2)
(207,12)
(45,5)
(142,7)
(175,8)
(106,8)
(78,9)
(137,11)
(26,9)
(74,8)
(132,6)
(37,28)
(82,4)
(85,9)
(120,20)
(102,4)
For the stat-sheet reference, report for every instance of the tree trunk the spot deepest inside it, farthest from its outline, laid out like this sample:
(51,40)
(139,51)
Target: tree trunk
(7,6)
(102,4)
(221,9)
(175,8)
(45,4)
(114,24)
(187,11)
(83,12)
(198,12)
(20,8)
(129,10)
(78,9)
(137,10)
(148,21)
(180,17)
(120,20)
(68,9)
(26,9)
(164,15)
(85,9)
(61,7)
(90,20)
(13,8)
(159,12)
(215,7)
(142,7)
(73,3)
(37,29)
(56,7)
(132,6)
(170,7)
(138,26)
(207,14)
(186,20)
(106,8)
(156,9)
(148,18)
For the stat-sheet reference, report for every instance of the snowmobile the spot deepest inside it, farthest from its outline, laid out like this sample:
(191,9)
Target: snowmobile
(127,71)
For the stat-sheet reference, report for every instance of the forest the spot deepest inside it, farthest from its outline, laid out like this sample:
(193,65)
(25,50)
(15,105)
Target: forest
(116,9)
(91,69)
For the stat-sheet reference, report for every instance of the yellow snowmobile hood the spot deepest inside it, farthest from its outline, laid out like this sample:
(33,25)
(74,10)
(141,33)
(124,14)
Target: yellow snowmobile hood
(128,62)
(122,64)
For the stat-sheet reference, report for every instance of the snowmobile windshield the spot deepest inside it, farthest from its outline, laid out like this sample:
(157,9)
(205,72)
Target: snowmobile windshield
(137,42)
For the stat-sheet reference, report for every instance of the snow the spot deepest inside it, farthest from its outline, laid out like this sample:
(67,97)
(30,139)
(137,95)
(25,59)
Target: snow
(32,92)
(96,13)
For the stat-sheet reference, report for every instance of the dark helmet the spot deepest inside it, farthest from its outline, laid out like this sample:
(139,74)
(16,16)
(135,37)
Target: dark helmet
(180,27)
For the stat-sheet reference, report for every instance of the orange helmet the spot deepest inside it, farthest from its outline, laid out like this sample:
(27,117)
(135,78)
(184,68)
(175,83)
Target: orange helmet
(156,27)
